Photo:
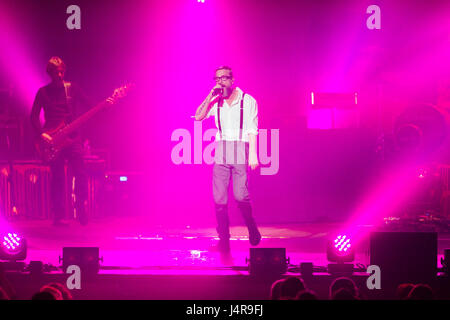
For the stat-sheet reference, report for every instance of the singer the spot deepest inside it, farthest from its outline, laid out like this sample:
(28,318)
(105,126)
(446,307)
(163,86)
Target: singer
(236,117)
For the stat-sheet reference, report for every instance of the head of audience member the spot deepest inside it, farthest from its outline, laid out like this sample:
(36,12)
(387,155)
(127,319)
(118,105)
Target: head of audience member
(344,283)
(421,292)
(53,291)
(43,296)
(66,295)
(403,290)
(306,295)
(275,290)
(291,287)
(343,294)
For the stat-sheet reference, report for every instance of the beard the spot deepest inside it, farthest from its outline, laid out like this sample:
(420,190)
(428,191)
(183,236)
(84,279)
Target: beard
(227,92)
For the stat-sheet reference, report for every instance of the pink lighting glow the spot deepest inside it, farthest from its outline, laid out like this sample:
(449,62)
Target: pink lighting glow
(11,242)
(342,243)
(16,60)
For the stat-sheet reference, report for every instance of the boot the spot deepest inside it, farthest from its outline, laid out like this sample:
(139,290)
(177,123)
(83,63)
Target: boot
(223,229)
(253,233)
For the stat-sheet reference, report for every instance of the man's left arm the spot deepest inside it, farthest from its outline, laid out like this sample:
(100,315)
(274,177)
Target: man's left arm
(252,130)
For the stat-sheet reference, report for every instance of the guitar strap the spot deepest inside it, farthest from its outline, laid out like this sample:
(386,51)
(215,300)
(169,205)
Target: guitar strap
(67,85)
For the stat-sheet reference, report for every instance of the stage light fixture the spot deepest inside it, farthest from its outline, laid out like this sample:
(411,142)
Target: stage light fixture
(13,247)
(340,250)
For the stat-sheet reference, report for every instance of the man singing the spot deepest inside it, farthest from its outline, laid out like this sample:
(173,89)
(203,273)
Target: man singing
(236,116)
(61,101)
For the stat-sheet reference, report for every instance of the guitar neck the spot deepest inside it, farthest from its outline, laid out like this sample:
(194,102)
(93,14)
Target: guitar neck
(74,125)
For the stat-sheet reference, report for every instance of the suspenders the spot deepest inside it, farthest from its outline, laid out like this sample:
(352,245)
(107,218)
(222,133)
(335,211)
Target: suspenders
(241,117)
(241,121)
(219,105)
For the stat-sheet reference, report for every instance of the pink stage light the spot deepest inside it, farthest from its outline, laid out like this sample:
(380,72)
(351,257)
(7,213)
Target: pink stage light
(342,243)
(333,110)
(123,179)
(340,249)
(11,242)
(13,247)
(395,187)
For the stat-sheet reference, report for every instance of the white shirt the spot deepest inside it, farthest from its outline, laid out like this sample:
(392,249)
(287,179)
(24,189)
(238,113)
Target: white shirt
(230,118)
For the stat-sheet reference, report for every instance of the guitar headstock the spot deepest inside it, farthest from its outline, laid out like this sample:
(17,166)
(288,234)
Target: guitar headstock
(121,92)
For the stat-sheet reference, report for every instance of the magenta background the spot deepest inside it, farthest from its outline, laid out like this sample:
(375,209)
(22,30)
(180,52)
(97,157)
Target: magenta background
(280,51)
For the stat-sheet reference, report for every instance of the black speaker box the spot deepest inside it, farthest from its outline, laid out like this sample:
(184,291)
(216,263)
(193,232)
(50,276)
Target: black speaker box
(267,261)
(87,258)
(404,257)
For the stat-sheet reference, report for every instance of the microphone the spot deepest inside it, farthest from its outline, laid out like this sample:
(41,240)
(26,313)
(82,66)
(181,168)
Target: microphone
(218,91)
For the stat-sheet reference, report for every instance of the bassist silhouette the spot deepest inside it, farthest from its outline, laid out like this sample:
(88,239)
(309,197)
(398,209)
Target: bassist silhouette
(61,102)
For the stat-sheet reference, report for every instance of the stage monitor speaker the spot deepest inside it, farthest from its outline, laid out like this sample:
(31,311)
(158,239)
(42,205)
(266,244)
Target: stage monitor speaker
(87,258)
(404,257)
(267,261)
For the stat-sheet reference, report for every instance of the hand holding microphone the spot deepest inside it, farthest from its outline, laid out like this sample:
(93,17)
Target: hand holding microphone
(217,90)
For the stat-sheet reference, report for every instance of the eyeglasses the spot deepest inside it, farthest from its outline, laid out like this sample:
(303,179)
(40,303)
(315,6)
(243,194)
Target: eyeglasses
(222,78)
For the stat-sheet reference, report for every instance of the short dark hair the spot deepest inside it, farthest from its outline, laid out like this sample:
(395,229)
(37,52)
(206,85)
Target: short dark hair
(343,283)
(43,296)
(344,294)
(306,295)
(54,63)
(66,295)
(421,292)
(224,68)
(403,290)
(291,286)
(275,290)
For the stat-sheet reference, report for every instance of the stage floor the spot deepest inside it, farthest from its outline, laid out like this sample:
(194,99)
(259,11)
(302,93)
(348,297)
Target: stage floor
(131,246)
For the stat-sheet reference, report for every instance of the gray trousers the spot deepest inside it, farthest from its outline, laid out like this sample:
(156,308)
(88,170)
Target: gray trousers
(231,158)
